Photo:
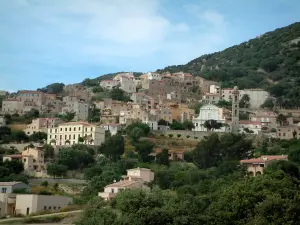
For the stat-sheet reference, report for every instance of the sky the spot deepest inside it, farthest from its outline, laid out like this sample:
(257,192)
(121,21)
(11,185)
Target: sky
(46,41)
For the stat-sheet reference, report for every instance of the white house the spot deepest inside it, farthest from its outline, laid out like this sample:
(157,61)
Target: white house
(135,178)
(253,126)
(209,112)
(113,128)
(153,76)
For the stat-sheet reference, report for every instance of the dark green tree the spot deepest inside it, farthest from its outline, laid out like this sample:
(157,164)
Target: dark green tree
(113,147)
(144,148)
(162,158)
(56,170)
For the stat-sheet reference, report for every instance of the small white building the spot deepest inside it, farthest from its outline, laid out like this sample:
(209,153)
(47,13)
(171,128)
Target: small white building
(209,112)
(135,178)
(113,128)
(153,76)
(2,121)
(214,89)
(252,126)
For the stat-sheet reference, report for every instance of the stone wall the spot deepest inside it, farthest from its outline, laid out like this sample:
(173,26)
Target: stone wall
(198,134)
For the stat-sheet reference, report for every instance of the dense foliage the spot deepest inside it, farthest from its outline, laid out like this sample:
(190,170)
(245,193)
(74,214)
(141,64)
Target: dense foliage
(217,193)
(270,61)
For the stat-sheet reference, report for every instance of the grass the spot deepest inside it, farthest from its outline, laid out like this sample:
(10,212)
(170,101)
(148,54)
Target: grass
(48,219)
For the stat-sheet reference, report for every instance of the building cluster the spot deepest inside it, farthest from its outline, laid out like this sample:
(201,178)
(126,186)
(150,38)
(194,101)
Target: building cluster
(12,203)
(74,99)
(156,99)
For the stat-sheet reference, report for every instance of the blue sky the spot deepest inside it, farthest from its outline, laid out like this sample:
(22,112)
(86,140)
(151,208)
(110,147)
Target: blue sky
(45,41)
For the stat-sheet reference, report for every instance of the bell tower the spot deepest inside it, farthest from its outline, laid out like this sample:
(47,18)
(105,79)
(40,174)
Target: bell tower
(235,125)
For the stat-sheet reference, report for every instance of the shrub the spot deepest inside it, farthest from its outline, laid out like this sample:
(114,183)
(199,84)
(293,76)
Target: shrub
(196,137)
(188,136)
(178,135)
(45,192)
(170,135)
(45,183)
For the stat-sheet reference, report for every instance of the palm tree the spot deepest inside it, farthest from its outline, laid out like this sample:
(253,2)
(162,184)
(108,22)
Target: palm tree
(281,119)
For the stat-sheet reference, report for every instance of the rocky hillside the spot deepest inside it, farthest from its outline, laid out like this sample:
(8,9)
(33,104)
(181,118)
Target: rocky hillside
(270,61)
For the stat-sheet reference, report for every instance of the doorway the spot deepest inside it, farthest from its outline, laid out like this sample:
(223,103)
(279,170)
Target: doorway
(27,211)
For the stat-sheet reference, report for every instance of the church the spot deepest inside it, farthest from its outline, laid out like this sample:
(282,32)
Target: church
(209,112)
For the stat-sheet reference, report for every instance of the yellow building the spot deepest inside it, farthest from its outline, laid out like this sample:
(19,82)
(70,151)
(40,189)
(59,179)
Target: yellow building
(76,132)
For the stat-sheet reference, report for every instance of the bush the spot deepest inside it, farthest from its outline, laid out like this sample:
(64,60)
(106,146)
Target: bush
(44,192)
(45,183)
(273,130)
(170,135)
(188,136)
(196,137)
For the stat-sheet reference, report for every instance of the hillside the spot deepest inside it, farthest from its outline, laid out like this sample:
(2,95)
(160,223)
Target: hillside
(270,61)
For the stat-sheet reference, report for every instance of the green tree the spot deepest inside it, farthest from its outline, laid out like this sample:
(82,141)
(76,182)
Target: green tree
(245,101)
(45,183)
(73,158)
(113,147)
(140,125)
(176,125)
(281,119)
(136,133)
(188,125)
(269,104)
(211,125)
(38,136)
(163,122)
(162,158)
(56,170)
(144,148)
(68,116)
(19,136)
(48,151)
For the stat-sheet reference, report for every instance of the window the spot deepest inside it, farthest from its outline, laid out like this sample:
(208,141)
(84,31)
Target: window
(4,190)
(70,129)
(50,207)
(69,136)
(45,207)
(24,160)
(50,130)
(54,207)
(66,129)
(78,128)
(34,160)
(74,128)
(60,137)
(74,136)
(50,136)
(65,136)
(60,129)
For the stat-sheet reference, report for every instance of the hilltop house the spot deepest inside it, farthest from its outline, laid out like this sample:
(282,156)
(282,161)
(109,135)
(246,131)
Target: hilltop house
(135,178)
(256,166)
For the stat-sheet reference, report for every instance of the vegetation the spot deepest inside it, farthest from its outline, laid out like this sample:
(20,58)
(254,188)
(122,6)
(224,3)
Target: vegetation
(54,88)
(211,125)
(211,190)
(270,61)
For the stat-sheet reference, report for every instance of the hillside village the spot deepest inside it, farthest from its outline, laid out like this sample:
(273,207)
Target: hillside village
(114,146)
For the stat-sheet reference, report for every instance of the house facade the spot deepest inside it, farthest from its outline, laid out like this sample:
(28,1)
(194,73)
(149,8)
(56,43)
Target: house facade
(209,112)
(72,132)
(42,125)
(135,178)
(256,166)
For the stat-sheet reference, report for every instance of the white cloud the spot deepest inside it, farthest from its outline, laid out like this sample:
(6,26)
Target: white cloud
(97,31)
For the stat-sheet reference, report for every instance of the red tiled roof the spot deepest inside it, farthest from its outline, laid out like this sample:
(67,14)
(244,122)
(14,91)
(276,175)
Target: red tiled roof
(76,123)
(187,75)
(265,158)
